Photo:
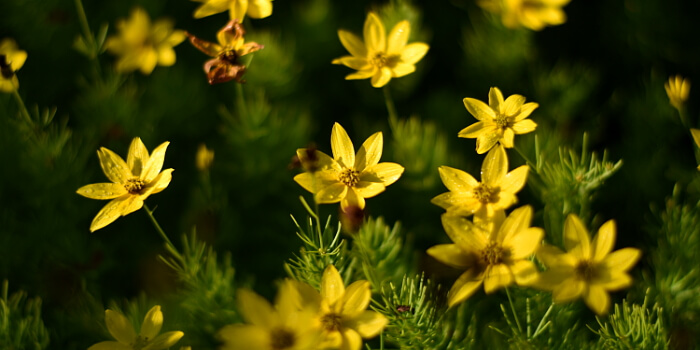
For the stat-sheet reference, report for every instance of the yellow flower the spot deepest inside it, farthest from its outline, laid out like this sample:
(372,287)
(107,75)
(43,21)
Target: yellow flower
(499,121)
(225,66)
(132,181)
(11,60)
(289,325)
(204,157)
(379,57)
(495,192)
(494,254)
(148,339)
(696,137)
(344,317)
(142,46)
(677,89)
(237,8)
(533,14)
(587,269)
(348,178)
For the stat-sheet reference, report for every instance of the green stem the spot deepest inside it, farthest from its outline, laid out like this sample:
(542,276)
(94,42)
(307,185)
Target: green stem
(532,165)
(391,108)
(240,101)
(512,308)
(22,107)
(87,33)
(168,243)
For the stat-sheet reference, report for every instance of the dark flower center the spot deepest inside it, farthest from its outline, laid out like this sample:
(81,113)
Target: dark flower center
(282,339)
(585,270)
(350,177)
(485,193)
(493,254)
(134,185)
(5,68)
(331,322)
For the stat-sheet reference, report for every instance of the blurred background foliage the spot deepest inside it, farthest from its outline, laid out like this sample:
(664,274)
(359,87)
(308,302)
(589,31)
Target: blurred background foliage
(600,73)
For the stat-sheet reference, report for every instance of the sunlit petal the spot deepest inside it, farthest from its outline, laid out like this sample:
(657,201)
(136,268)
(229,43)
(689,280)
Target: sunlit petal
(105,190)
(352,43)
(464,287)
(497,277)
(343,150)
(414,52)
(386,172)
(494,167)
(369,323)
(381,77)
(119,327)
(576,235)
(356,298)
(255,309)
(113,166)
(457,180)
(597,299)
(152,323)
(478,109)
(604,241)
(332,286)
(370,152)
(374,33)
(496,99)
(451,255)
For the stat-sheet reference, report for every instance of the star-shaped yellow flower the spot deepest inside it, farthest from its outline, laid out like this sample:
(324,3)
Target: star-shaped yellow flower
(237,8)
(344,317)
(494,254)
(141,45)
(499,121)
(588,269)
(148,339)
(11,60)
(495,192)
(289,325)
(533,14)
(379,57)
(348,178)
(132,181)
(677,89)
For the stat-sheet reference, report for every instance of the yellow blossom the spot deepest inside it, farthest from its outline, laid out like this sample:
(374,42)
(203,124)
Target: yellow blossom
(379,57)
(533,14)
(132,181)
(148,339)
(225,65)
(237,8)
(494,255)
(677,89)
(344,317)
(495,192)
(588,269)
(499,121)
(11,60)
(204,158)
(696,137)
(141,45)
(289,325)
(348,178)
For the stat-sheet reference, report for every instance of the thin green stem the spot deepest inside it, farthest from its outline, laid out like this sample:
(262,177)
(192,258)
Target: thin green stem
(168,243)
(512,309)
(22,108)
(527,160)
(240,101)
(87,33)
(391,108)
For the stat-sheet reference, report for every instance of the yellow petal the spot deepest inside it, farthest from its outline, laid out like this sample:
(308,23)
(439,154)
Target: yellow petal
(255,309)
(353,44)
(525,112)
(398,37)
(352,199)
(604,241)
(314,182)
(363,74)
(469,237)
(402,69)
(260,8)
(332,286)
(368,324)
(211,7)
(166,56)
(351,340)
(478,109)
(524,126)
(119,327)
(244,337)
(576,235)
(519,220)
(552,257)
(612,280)
(511,106)
(105,190)
(137,156)
(476,129)
(155,163)
(113,166)
(148,61)
(160,183)
(457,180)
(357,63)
(164,340)
(457,204)
(332,194)
(370,152)
(323,161)
(622,260)
(496,99)
(387,173)
(485,142)
(568,290)
(113,210)
(525,243)
(696,136)
(464,287)
(508,138)
(497,277)
(414,52)
(374,33)
(514,181)
(356,298)
(152,323)
(451,255)
(369,189)
(343,150)
(597,300)
(110,345)
(495,166)
(237,9)
(381,77)
(524,272)
(552,278)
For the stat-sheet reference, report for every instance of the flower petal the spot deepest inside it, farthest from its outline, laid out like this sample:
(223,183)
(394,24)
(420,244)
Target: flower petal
(576,235)
(260,8)
(211,7)
(119,327)
(369,189)
(351,340)
(152,323)
(363,74)
(164,340)
(515,180)
(525,111)
(113,166)
(496,99)
(524,272)
(511,106)
(414,52)
(237,9)
(613,280)
(357,63)
(155,163)
(352,199)
(524,126)
(353,44)
(552,278)
(485,142)
(332,194)
(110,345)
(525,243)
(255,309)
(356,298)
(402,69)
(113,210)
(497,277)
(387,173)
(457,204)
(622,260)
(553,257)
(476,129)
(332,286)
(166,56)
(369,323)
(478,109)
(398,37)
(451,255)
(370,152)
(381,77)
(137,157)
(464,287)
(160,183)
(604,241)
(597,300)
(375,34)
(240,337)
(508,138)
(104,190)
(457,180)
(495,167)
(568,290)
(343,150)
(469,237)
(518,221)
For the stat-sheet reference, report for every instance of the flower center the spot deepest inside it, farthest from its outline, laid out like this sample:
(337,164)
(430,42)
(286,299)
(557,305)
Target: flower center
(228,55)
(134,185)
(282,339)
(140,343)
(493,254)
(484,193)
(5,68)
(502,121)
(585,270)
(331,322)
(380,59)
(350,177)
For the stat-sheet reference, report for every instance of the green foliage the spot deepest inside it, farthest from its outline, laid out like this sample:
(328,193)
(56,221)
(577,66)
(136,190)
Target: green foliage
(382,252)
(21,326)
(633,326)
